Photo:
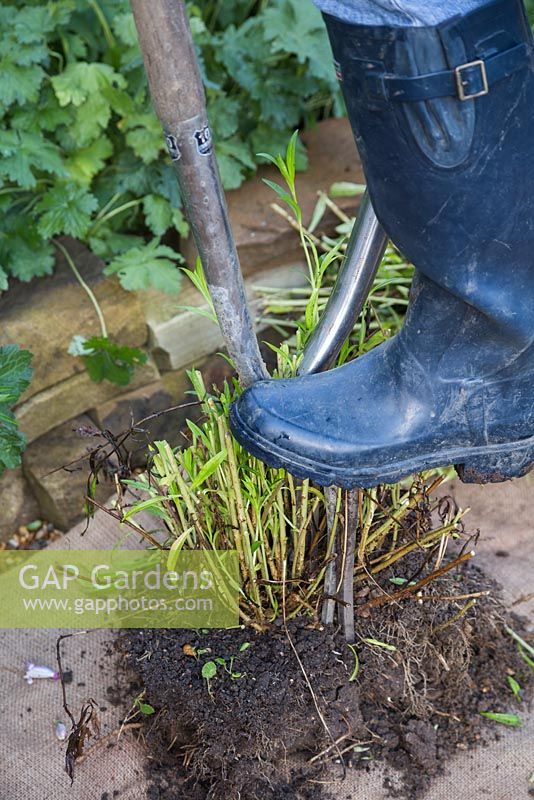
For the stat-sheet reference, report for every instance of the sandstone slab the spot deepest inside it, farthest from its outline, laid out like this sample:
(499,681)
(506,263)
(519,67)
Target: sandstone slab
(73,396)
(187,338)
(60,492)
(120,414)
(45,314)
(18,503)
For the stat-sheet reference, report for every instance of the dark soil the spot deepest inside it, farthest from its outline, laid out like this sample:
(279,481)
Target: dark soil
(257,733)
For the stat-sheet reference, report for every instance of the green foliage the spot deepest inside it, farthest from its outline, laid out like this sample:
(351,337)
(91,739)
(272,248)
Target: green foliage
(107,360)
(149,266)
(510,720)
(15,376)
(82,151)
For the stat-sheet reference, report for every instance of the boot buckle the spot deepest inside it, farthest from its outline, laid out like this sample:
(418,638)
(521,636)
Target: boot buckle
(462,85)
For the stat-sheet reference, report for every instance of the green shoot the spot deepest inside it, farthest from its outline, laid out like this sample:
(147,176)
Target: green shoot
(515,688)
(209,672)
(384,645)
(356,669)
(529,649)
(510,720)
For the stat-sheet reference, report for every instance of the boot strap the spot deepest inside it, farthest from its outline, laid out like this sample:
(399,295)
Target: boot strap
(466,81)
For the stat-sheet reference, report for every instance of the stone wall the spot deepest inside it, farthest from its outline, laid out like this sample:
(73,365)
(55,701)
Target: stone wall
(45,314)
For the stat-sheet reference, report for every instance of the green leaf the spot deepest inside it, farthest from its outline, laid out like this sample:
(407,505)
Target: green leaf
(80,81)
(12,441)
(158,213)
(25,153)
(208,469)
(176,548)
(15,377)
(144,136)
(19,84)
(124,28)
(209,670)
(91,88)
(108,243)
(66,208)
(224,115)
(282,194)
(107,360)
(511,720)
(179,222)
(87,162)
(15,373)
(346,189)
(235,162)
(515,687)
(89,120)
(295,26)
(24,253)
(150,267)
(146,709)
(44,115)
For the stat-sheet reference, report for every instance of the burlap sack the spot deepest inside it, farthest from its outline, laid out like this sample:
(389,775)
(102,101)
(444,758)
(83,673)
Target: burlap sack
(32,759)
(31,766)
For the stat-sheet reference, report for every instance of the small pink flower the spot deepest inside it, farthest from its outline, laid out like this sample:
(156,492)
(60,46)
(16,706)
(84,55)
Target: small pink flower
(36,672)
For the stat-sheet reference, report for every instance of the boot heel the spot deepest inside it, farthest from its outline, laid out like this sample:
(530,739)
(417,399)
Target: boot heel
(497,467)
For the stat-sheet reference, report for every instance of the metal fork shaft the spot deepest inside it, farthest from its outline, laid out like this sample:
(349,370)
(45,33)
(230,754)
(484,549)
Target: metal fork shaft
(179,101)
(365,249)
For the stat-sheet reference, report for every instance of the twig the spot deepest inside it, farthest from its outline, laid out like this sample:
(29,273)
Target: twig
(447,598)
(338,742)
(79,730)
(61,673)
(294,224)
(463,610)
(131,525)
(131,726)
(525,598)
(411,590)
(87,289)
(120,438)
(335,208)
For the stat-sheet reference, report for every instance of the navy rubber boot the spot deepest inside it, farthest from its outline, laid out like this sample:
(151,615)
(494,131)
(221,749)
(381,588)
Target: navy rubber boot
(443,119)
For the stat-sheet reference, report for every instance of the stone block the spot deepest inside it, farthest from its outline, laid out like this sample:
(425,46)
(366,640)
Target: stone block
(18,503)
(73,396)
(43,316)
(187,338)
(119,414)
(59,492)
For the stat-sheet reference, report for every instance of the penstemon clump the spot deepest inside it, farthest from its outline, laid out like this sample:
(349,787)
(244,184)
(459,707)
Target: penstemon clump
(288,532)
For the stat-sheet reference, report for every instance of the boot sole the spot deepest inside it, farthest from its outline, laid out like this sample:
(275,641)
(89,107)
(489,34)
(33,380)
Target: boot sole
(488,464)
